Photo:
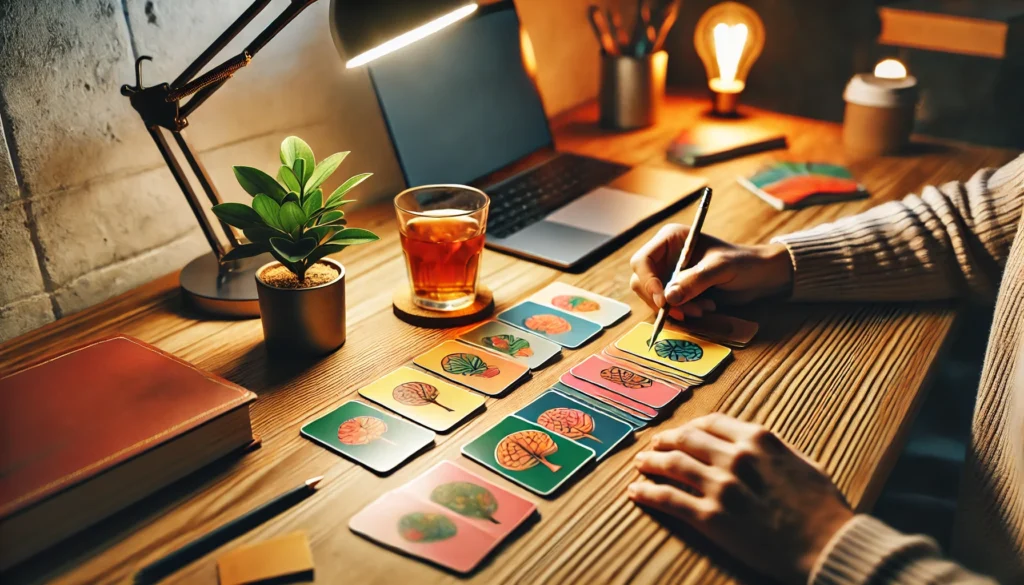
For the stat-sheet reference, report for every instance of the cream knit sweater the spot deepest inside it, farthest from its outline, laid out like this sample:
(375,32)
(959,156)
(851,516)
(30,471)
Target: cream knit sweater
(953,240)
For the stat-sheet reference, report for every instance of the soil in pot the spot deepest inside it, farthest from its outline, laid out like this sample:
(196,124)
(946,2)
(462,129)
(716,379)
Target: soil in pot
(318,274)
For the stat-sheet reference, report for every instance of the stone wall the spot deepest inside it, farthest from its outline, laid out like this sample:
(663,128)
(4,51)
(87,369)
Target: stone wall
(87,208)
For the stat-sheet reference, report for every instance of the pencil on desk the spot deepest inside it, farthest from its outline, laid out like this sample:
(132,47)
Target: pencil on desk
(160,568)
(684,258)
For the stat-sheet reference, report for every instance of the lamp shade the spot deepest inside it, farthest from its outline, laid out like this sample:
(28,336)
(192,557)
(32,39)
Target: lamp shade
(364,30)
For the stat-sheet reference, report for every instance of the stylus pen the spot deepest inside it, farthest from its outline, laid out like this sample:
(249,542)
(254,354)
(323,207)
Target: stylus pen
(159,569)
(684,259)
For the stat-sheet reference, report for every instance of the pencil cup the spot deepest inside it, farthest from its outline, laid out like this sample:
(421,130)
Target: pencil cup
(632,90)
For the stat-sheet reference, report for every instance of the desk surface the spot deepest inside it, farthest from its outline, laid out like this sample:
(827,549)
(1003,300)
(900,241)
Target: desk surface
(841,382)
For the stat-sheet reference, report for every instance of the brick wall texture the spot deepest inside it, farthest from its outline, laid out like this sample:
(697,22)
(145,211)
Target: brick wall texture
(87,208)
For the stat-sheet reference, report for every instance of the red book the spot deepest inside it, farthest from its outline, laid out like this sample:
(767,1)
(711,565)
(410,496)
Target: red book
(95,429)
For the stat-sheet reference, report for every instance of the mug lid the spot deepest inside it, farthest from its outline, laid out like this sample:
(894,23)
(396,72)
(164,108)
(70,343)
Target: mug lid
(868,90)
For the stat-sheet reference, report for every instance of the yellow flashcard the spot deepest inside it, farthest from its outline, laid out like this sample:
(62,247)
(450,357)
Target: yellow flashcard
(677,350)
(426,399)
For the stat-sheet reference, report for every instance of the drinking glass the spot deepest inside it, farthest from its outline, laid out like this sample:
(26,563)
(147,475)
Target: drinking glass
(442,229)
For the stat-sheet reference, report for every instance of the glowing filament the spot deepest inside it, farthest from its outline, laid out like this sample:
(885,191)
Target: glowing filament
(412,36)
(729,43)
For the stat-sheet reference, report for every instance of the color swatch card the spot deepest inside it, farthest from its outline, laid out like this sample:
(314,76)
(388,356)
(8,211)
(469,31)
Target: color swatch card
(605,395)
(608,407)
(479,369)
(525,348)
(582,303)
(577,421)
(490,508)
(284,559)
(675,349)
(629,382)
(423,398)
(369,436)
(550,323)
(528,454)
(418,527)
(724,329)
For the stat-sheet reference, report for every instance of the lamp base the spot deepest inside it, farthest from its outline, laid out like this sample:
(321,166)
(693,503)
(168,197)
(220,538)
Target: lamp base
(228,291)
(724,104)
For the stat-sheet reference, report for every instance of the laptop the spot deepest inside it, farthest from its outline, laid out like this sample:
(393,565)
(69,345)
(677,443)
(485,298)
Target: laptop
(462,108)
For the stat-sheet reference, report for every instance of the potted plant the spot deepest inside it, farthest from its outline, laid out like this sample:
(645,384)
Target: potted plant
(302,293)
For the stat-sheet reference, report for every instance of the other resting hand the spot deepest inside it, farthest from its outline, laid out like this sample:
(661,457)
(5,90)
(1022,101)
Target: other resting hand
(745,489)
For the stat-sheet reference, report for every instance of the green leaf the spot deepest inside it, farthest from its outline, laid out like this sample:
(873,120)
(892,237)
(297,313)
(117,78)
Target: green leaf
(268,209)
(322,233)
(354,237)
(324,170)
(294,148)
(244,251)
(293,251)
(255,181)
(293,197)
(287,176)
(238,215)
(345,187)
(261,234)
(324,251)
(314,201)
(331,217)
(292,217)
(301,172)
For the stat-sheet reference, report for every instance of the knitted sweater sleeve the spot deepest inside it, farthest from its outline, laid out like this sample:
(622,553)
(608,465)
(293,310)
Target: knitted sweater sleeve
(946,242)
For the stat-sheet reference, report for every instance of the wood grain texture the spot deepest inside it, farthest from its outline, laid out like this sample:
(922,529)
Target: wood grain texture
(839,381)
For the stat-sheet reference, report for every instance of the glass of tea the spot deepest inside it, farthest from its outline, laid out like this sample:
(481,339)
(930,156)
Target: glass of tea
(442,229)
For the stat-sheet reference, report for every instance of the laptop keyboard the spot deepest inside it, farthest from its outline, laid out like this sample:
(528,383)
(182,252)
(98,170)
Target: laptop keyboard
(529,197)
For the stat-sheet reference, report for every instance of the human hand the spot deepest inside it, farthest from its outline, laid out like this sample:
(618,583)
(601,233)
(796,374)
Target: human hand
(731,273)
(746,490)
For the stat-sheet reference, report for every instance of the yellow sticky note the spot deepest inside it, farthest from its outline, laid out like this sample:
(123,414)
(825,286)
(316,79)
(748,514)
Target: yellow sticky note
(280,557)
(428,400)
(675,349)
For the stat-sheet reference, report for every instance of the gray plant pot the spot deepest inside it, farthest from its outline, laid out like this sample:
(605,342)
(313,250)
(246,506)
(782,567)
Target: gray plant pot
(304,321)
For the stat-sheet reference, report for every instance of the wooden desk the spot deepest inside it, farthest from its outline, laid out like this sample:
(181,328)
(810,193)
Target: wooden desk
(841,382)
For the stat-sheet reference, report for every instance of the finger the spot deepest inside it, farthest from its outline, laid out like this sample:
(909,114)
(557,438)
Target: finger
(698,443)
(677,466)
(686,311)
(727,427)
(708,305)
(637,286)
(686,285)
(668,499)
(645,263)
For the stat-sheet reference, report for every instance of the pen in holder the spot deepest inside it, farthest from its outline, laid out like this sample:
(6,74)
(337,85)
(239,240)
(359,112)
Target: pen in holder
(632,90)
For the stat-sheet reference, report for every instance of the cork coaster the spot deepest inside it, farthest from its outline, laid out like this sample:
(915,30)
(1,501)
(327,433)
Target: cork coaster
(413,314)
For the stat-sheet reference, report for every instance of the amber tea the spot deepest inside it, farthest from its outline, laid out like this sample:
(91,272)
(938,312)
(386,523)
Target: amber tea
(442,247)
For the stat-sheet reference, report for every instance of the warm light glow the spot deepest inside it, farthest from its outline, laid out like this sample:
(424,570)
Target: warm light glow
(412,36)
(729,43)
(890,69)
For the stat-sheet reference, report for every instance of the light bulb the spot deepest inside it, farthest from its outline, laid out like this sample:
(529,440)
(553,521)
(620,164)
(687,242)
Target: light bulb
(890,69)
(729,38)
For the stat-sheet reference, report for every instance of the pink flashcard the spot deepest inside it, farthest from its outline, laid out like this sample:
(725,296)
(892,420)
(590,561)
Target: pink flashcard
(627,382)
(480,502)
(596,391)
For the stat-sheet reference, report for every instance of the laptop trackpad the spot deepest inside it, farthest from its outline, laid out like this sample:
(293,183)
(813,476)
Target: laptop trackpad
(607,211)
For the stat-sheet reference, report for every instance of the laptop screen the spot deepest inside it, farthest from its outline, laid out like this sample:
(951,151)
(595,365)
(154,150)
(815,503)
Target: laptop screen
(460,104)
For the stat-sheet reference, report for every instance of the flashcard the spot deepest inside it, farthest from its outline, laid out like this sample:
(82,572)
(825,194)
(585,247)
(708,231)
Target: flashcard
(425,399)
(674,349)
(368,436)
(631,383)
(671,376)
(550,323)
(517,344)
(479,369)
(598,392)
(283,559)
(629,416)
(530,455)
(490,508)
(422,529)
(720,328)
(577,421)
(582,303)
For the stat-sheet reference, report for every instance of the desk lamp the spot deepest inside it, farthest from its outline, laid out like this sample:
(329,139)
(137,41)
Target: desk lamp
(363,30)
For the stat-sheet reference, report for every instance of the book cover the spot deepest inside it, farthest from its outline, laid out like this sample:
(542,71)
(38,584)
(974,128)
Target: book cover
(792,185)
(710,142)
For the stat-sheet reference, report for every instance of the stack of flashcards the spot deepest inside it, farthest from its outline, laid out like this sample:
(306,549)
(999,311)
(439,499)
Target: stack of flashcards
(526,348)
(447,516)
(368,436)
(676,355)
(624,387)
(724,329)
(564,314)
